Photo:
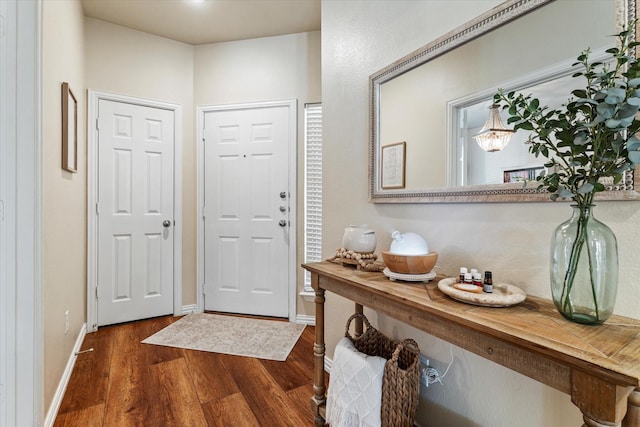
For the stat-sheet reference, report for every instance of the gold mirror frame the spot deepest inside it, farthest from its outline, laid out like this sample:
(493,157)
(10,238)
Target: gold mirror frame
(515,192)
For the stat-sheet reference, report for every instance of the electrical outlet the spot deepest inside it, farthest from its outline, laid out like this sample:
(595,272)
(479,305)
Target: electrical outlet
(66,322)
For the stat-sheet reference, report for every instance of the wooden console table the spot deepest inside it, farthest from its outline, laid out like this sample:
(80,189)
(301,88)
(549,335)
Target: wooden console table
(598,366)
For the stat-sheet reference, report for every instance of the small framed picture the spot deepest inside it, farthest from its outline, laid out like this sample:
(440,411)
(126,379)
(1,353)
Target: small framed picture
(69,129)
(393,165)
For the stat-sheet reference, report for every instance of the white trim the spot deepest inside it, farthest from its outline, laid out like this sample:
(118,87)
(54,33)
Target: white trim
(328,364)
(94,97)
(305,319)
(308,296)
(64,380)
(293,172)
(21,307)
(191,308)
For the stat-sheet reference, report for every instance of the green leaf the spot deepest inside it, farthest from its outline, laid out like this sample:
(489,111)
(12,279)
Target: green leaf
(566,194)
(535,103)
(634,82)
(633,143)
(598,187)
(586,188)
(612,123)
(634,157)
(627,110)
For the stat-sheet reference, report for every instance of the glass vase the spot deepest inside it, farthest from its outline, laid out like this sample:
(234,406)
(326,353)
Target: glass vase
(584,268)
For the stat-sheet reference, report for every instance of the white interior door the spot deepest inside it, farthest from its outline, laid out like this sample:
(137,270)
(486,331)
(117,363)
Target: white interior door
(135,212)
(246,210)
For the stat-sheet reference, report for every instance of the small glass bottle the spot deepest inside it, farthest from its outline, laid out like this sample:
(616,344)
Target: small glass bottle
(468,280)
(463,271)
(477,279)
(488,282)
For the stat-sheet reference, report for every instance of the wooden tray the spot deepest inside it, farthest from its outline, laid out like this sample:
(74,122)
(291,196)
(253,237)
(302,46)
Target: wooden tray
(504,294)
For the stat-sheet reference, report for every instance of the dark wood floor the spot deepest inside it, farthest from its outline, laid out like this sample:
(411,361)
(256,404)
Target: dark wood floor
(126,383)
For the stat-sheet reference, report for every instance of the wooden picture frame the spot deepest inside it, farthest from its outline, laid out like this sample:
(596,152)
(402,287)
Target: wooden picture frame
(393,168)
(69,129)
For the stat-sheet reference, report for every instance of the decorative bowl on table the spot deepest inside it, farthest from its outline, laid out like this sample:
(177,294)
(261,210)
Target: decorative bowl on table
(410,264)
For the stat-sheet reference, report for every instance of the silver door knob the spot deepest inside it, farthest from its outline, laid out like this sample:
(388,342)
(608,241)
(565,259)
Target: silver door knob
(166,223)
(283,195)
(282,223)
(283,208)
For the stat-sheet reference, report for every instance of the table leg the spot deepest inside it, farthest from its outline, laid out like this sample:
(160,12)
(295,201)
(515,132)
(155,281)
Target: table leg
(632,418)
(318,401)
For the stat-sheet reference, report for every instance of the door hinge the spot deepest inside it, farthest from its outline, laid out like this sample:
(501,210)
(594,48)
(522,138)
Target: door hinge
(97,209)
(98,123)
(96,291)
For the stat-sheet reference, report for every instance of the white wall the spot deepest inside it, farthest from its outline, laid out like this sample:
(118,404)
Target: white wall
(512,240)
(64,193)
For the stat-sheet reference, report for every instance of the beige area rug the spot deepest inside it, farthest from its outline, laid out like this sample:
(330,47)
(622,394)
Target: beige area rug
(239,336)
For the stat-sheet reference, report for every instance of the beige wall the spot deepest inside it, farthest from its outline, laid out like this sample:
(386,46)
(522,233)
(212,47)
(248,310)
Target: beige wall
(133,63)
(64,193)
(512,240)
(266,69)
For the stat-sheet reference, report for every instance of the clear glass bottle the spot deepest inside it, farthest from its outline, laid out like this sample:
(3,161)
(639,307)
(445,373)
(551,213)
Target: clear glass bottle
(584,268)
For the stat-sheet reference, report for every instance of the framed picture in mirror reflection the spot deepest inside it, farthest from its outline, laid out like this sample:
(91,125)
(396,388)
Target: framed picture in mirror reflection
(393,165)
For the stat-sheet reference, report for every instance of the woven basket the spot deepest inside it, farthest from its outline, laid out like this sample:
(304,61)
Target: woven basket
(401,380)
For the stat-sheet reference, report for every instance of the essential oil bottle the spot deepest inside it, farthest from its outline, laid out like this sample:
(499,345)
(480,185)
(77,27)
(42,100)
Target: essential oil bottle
(463,271)
(477,280)
(488,282)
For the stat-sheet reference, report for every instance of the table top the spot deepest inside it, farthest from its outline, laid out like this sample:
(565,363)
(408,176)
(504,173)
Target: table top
(611,350)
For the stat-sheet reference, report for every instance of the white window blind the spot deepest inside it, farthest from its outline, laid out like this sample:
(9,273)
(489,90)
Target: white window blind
(312,187)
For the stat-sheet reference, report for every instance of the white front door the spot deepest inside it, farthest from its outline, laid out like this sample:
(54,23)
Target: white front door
(246,210)
(135,211)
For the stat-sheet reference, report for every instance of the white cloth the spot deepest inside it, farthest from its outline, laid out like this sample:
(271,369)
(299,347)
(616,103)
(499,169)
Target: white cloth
(355,388)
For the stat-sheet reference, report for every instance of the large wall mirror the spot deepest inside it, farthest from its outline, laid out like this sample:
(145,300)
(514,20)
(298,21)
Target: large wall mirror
(426,107)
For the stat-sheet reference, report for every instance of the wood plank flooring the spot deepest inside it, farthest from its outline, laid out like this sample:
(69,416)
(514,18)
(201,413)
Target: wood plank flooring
(125,383)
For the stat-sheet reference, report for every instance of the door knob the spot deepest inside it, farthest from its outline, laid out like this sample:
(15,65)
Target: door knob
(283,208)
(282,223)
(283,195)
(166,223)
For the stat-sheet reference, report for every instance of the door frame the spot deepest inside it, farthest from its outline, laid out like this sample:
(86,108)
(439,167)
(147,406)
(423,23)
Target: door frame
(21,246)
(94,97)
(292,105)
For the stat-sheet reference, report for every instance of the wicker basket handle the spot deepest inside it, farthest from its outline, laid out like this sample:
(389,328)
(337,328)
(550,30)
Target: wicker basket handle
(354,316)
(411,346)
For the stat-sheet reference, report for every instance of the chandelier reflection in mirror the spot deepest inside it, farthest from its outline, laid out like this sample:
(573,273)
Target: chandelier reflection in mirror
(493,136)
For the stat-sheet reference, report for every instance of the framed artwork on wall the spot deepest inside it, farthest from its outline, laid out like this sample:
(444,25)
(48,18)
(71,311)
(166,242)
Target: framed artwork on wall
(393,165)
(69,129)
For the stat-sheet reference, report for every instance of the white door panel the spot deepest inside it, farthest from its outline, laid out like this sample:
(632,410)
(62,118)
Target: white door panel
(135,197)
(246,167)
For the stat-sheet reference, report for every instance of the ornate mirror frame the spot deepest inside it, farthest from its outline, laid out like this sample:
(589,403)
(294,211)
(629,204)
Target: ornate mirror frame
(628,189)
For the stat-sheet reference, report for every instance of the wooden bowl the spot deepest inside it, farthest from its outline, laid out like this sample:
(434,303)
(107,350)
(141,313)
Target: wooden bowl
(410,264)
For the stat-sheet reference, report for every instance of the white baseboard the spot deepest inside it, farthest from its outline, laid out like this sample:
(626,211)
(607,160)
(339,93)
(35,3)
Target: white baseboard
(188,309)
(64,381)
(328,364)
(306,319)
(308,296)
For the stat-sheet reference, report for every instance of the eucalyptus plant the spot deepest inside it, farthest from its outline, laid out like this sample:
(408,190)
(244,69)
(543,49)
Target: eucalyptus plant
(593,135)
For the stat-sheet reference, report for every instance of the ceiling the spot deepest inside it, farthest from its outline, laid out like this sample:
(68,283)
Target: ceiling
(209,21)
